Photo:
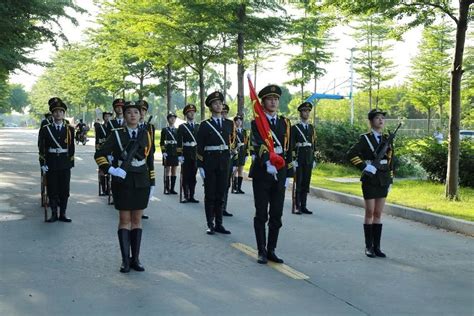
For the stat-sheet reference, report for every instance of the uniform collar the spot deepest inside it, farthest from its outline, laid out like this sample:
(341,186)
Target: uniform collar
(269,117)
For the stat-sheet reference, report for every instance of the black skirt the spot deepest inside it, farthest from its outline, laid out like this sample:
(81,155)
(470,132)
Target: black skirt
(170,161)
(129,198)
(370,191)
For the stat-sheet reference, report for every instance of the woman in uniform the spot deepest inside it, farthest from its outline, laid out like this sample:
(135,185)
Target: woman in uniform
(376,182)
(131,187)
(169,150)
(241,147)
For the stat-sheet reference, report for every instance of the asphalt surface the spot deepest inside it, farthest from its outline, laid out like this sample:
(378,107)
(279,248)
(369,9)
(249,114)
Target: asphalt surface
(72,268)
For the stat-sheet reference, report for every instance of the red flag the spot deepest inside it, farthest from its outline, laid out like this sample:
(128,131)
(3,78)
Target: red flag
(263,127)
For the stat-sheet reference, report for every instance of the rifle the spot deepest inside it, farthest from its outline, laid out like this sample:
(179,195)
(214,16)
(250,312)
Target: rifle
(133,150)
(293,188)
(383,150)
(181,183)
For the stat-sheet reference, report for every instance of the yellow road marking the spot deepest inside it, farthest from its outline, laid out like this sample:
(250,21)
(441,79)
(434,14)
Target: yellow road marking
(283,268)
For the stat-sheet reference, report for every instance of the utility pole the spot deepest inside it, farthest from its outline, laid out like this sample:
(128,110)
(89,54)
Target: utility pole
(352,86)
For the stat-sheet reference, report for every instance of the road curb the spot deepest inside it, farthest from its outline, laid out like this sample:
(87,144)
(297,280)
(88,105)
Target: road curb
(431,219)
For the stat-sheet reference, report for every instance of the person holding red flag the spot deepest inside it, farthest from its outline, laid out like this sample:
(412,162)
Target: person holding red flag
(270,169)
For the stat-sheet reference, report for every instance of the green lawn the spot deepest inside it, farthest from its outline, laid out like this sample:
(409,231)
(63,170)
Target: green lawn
(420,194)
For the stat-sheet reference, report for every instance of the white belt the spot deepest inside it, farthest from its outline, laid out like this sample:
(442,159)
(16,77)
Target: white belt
(57,150)
(189,144)
(304,144)
(382,162)
(135,162)
(170,142)
(278,150)
(215,148)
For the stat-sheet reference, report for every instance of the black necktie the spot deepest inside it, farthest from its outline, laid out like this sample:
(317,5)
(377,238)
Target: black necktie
(58,128)
(379,138)
(273,121)
(134,135)
(219,123)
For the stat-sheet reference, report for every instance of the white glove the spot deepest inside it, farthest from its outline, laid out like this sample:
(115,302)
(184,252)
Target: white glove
(314,164)
(295,165)
(271,169)
(371,169)
(118,172)
(164,155)
(152,190)
(253,157)
(287,181)
(44,168)
(389,188)
(181,159)
(202,173)
(110,158)
(245,159)
(234,169)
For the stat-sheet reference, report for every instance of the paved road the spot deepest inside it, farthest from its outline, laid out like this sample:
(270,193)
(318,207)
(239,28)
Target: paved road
(72,269)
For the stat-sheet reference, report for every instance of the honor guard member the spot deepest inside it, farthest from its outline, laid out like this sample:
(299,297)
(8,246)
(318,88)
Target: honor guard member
(242,150)
(118,120)
(225,113)
(150,128)
(47,119)
(169,149)
(215,136)
(132,181)
(303,147)
(187,146)
(56,158)
(269,184)
(102,131)
(376,182)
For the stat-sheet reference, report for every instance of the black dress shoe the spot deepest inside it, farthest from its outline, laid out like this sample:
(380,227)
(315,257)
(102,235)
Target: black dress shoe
(369,252)
(240,192)
(64,218)
(210,231)
(297,212)
(173,192)
(225,213)
(136,265)
(53,218)
(193,200)
(222,230)
(184,201)
(144,216)
(262,257)
(273,257)
(379,253)
(306,211)
(125,267)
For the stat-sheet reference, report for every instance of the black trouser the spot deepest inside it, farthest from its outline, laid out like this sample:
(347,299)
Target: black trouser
(215,185)
(269,197)
(303,178)
(226,192)
(58,188)
(189,177)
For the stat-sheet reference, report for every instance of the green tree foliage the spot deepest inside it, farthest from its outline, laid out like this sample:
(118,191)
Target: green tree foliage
(467,121)
(373,67)
(429,80)
(311,34)
(18,98)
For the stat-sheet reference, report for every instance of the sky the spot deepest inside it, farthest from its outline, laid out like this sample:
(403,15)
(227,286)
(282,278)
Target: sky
(274,70)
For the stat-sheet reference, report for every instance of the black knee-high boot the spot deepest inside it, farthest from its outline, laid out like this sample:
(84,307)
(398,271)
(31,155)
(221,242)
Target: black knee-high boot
(167,185)
(271,245)
(239,185)
(377,231)
(234,185)
(124,241)
(369,240)
(135,242)
(173,182)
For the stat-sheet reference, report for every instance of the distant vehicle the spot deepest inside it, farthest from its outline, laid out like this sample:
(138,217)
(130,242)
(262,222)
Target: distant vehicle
(464,134)
(11,125)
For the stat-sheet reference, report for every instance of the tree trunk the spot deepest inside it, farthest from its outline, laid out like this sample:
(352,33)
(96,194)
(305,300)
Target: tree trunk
(255,68)
(429,120)
(201,81)
(168,87)
(224,92)
(142,79)
(185,86)
(240,60)
(452,176)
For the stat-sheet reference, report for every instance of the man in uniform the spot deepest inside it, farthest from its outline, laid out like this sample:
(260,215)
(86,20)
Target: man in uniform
(303,148)
(225,113)
(56,158)
(118,121)
(150,128)
(187,144)
(269,184)
(214,139)
(169,149)
(241,149)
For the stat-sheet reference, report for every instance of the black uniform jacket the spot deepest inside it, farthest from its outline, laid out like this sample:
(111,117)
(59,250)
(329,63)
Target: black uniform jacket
(102,131)
(113,123)
(241,146)
(360,153)
(302,153)
(168,143)
(282,131)
(137,176)
(207,136)
(184,136)
(63,158)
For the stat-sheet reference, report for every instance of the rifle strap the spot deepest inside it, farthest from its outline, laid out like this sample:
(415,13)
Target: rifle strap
(301,133)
